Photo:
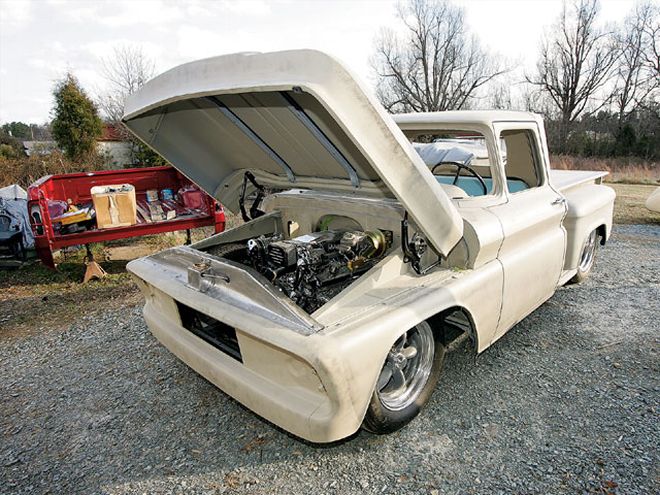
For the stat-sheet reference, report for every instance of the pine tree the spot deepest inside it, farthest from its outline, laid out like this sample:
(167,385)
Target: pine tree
(76,123)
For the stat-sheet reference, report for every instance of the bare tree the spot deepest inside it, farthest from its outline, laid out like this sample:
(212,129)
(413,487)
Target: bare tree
(125,72)
(637,73)
(652,37)
(575,64)
(435,65)
(500,97)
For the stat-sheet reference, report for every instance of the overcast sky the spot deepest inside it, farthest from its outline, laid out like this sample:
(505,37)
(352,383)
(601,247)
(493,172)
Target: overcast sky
(41,39)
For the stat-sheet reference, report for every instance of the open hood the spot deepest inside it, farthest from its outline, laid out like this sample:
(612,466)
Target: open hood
(295,119)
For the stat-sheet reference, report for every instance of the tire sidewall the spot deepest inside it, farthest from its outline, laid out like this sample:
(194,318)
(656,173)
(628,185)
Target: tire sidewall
(380,419)
(581,275)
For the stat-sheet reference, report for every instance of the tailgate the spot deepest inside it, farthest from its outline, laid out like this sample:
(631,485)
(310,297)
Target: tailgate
(232,293)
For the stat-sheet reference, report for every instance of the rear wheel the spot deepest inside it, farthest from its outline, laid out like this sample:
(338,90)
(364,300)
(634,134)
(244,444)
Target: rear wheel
(587,257)
(410,373)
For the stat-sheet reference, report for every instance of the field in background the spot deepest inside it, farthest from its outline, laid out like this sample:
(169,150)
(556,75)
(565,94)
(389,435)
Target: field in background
(627,170)
(35,299)
(629,204)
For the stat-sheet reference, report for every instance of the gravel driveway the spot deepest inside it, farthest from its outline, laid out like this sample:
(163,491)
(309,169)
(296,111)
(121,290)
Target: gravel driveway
(567,402)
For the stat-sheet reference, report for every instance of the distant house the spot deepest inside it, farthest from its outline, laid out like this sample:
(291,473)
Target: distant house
(112,145)
(117,150)
(32,148)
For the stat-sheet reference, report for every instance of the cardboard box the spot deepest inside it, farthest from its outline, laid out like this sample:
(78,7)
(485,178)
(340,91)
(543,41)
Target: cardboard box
(114,205)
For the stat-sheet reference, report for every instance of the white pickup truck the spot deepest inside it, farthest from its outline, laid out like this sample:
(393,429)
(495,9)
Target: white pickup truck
(370,241)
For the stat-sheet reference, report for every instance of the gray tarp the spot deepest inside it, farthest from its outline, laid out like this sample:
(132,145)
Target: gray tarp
(434,153)
(13,201)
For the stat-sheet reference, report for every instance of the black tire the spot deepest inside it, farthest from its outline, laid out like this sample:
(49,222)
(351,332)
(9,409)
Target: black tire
(381,418)
(587,258)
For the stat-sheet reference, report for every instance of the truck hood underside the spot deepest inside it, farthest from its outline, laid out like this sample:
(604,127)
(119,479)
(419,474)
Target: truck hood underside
(295,119)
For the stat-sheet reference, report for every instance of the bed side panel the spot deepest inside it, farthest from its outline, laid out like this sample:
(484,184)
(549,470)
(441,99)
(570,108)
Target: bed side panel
(589,207)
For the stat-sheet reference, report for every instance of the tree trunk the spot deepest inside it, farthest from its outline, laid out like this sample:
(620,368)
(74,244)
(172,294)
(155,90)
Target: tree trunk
(564,129)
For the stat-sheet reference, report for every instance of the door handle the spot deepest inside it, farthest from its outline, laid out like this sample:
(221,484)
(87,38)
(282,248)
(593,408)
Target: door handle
(559,201)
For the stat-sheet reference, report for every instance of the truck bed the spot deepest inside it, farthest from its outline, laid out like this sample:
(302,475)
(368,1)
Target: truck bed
(564,180)
(76,189)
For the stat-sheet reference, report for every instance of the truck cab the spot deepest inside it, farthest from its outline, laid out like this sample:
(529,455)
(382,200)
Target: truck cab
(498,165)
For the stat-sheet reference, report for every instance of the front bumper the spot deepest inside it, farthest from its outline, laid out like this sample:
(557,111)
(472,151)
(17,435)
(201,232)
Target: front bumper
(274,382)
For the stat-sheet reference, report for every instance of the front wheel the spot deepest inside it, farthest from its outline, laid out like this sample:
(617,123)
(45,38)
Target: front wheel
(406,381)
(586,258)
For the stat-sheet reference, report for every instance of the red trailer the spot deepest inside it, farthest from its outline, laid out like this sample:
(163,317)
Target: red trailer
(75,189)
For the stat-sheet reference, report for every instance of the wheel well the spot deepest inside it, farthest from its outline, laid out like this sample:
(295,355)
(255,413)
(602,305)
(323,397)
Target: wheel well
(602,232)
(452,323)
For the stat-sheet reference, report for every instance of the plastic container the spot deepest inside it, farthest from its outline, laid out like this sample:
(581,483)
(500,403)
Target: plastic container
(167,195)
(57,208)
(152,195)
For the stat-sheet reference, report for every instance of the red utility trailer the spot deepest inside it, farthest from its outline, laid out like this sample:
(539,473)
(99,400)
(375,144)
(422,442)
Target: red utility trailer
(75,189)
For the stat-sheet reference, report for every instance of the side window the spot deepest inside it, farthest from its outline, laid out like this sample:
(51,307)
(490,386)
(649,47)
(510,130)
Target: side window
(522,164)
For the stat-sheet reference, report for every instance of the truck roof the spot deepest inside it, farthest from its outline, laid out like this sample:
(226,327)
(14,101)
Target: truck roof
(463,117)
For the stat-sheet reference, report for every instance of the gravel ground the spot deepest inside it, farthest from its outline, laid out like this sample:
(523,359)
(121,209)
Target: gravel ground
(567,402)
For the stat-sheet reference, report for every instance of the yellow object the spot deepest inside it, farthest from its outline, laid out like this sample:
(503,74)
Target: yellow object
(74,215)
(115,205)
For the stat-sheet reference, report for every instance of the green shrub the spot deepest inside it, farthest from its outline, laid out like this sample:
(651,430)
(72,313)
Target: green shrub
(8,151)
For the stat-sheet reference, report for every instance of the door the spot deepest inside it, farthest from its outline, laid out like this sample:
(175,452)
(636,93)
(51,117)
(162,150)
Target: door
(532,252)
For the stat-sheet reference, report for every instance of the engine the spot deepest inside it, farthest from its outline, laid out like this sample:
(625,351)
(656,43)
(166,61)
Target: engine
(313,268)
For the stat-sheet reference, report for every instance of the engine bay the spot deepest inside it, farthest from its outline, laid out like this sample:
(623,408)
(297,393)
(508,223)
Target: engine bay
(311,269)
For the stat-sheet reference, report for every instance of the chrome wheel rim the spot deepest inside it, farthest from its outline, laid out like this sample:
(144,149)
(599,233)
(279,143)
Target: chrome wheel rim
(587,257)
(407,368)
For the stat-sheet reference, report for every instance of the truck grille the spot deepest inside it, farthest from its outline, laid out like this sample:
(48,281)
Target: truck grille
(218,334)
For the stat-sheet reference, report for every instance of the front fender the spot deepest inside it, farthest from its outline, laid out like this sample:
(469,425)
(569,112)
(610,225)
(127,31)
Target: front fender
(358,342)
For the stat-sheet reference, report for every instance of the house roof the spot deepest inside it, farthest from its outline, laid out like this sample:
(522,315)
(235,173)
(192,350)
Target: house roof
(39,147)
(111,132)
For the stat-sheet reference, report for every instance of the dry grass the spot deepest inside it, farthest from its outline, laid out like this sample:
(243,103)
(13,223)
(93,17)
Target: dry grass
(36,299)
(25,170)
(629,204)
(626,170)
(633,180)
